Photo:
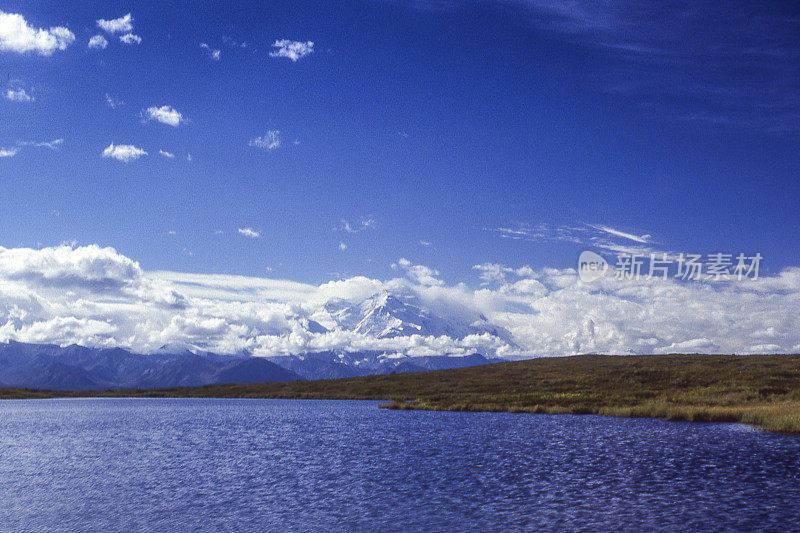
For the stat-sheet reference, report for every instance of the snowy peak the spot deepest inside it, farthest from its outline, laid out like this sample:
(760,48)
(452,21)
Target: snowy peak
(387,315)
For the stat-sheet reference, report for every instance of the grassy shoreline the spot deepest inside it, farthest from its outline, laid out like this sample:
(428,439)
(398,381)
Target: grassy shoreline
(761,390)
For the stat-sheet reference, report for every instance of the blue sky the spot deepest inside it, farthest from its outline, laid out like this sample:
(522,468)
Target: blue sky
(225,175)
(425,128)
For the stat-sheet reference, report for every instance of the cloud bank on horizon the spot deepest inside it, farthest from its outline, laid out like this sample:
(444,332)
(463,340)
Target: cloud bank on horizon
(98,297)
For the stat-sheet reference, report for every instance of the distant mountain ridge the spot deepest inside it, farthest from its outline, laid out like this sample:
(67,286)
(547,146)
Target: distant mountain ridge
(47,366)
(333,365)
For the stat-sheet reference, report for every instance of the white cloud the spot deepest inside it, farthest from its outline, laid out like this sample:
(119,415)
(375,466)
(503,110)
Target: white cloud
(168,155)
(213,53)
(618,233)
(123,152)
(89,267)
(53,145)
(587,235)
(342,246)
(130,38)
(97,296)
(418,273)
(270,140)
(123,24)
(293,50)
(98,42)
(17,36)
(11,152)
(165,115)
(18,95)
(249,232)
(494,272)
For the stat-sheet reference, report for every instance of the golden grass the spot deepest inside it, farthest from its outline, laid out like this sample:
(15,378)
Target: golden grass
(762,390)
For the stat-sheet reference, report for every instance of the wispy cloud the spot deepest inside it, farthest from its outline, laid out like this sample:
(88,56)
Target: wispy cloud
(294,50)
(364,224)
(213,53)
(644,239)
(130,38)
(168,155)
(669,57)
(16,35)
(588,235)
(53,145)
(112,103)
(123,152)
(270,140)
(11,152)
(249,232)
(726,63)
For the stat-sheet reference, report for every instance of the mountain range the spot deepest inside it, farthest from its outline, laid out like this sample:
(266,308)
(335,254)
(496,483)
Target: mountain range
(383,316)
(46,366)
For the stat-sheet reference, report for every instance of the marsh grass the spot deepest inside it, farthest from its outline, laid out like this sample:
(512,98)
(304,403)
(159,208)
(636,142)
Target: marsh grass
(761,390)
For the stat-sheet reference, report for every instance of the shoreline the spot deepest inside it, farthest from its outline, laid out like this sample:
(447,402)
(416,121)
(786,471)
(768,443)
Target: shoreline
(758,390)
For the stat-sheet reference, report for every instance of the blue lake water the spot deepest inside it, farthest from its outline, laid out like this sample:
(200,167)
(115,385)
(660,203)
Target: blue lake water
(259,465)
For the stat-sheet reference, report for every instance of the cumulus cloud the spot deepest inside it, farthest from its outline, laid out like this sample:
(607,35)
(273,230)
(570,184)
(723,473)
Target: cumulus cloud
(18,95)
(249,232)
(89,267)
(123,152)
(130,38)
(168,155)
(165,115)
(270,140)
(122,24)
(99,297)
(418,273)
(8,152)
(98,42)
(122,27)
(293,50)
(16,35)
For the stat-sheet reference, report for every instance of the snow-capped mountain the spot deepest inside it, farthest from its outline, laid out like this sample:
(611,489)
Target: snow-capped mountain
(387,315)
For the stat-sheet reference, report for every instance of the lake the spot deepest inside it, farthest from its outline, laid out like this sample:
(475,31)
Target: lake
(277,465)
